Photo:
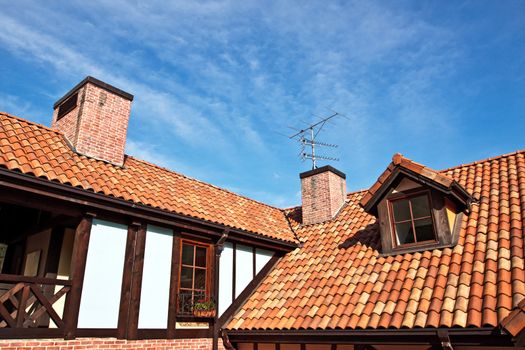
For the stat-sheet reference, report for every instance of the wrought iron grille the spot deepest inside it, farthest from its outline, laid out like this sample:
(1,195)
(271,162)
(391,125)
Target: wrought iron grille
(187,300)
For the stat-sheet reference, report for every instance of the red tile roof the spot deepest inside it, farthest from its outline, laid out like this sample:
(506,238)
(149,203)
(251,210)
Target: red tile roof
(339,280)
(37,150)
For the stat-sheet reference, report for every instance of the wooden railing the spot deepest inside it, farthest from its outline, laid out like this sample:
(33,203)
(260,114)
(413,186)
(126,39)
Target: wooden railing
(27,302)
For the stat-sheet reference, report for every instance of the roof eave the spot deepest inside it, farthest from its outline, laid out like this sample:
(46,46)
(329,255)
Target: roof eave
(458,336)
(114,204)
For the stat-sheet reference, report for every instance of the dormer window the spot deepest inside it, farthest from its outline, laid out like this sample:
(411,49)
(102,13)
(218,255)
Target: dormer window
(412,220)
(417,208)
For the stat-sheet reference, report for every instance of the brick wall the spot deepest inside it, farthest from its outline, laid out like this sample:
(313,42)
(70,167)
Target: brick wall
(97,127)
(323,193)
(108,344)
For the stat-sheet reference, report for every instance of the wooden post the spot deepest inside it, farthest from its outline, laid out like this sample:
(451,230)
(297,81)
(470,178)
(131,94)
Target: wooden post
(136,283)
(173,300)
(217,249)
(131,282)
(78,268)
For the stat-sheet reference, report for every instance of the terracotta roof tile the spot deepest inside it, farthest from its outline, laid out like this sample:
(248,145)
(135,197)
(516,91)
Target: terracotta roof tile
(37,150)
(480,282)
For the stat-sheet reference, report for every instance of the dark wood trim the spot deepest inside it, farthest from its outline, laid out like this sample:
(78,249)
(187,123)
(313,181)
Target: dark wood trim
(131,283)
(174,286)
(22,304)
(37,280)
(30,333)
(78,268)
(179,334)
(96,333)
(250,288)
(57,191)
(234,267)
(53,252)
(136,282)
(455,190)
(125,294)
(254,263)
(427,336)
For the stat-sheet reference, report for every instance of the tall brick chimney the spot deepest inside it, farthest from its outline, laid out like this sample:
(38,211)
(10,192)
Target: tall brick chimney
(323,193)
(94,117)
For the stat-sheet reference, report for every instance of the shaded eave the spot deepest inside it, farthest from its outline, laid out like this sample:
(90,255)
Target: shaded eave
(454,190)
(427,336)
(39,186)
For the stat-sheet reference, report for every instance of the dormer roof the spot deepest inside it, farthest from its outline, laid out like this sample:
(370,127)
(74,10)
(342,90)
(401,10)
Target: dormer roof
(402,166)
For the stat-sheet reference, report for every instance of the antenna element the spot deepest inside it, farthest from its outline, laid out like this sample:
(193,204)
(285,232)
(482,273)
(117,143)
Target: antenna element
(307,139)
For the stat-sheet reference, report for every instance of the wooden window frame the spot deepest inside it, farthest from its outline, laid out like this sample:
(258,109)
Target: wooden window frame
(408,195)
(445,235)
(209,287)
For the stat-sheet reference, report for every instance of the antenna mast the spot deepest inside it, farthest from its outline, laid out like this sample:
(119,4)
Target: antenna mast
(309,141)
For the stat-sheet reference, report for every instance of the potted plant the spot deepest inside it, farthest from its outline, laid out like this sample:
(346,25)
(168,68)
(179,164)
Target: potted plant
(204,308)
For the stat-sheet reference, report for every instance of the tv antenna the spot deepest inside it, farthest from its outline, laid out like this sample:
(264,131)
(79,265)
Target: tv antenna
(307,139)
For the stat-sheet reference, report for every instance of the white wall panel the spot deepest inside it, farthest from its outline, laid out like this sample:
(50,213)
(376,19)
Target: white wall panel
(154,295)
(226,278)
(262,257)
(244,268)
(100,302)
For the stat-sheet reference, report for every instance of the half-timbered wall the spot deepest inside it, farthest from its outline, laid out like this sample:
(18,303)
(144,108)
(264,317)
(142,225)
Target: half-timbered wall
(154,299)
(99,306)
(239,264)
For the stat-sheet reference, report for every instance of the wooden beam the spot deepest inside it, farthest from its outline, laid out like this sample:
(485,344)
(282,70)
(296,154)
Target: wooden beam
(173,300)
(78,268)
(127,277)
(217,249)
(136,282)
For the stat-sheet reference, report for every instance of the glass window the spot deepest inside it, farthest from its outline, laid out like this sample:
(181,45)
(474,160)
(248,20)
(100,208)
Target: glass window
(194,270)
(412,219)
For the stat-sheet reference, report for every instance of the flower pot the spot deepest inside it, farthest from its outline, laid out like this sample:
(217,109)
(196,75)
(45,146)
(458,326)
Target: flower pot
(204,313)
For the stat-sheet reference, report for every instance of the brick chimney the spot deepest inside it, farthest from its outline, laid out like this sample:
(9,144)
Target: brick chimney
(323,193)
(94,118)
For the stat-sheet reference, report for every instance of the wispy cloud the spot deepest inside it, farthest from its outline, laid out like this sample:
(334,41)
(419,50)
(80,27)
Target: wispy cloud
(214,79)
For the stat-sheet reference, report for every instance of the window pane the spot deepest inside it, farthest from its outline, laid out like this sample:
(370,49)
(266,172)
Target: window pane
(401,210)
(200,258)
(424,230)
(187,254)
(404,233)
(200,279)
(420,207)
(186,277)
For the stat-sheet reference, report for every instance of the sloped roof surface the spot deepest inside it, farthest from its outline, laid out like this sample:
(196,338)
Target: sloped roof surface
(338,280)
(36,150)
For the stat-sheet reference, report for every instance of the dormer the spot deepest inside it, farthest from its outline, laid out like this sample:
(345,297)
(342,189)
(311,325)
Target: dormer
(417,208)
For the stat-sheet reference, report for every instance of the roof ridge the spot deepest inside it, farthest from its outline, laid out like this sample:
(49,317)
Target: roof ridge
(201,181)
(9,115)
(482,160)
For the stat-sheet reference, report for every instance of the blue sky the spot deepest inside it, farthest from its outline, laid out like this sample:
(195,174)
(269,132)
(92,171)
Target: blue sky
(216,83)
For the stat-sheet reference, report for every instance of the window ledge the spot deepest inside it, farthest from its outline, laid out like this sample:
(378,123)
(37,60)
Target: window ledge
(415,249)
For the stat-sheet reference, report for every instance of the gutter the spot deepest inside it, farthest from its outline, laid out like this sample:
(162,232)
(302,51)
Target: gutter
(441,337)
(121,206)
